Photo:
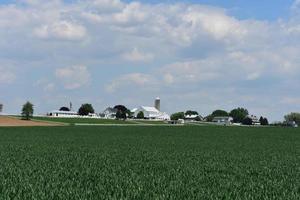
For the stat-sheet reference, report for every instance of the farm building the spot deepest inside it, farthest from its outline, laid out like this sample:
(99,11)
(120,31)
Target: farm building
(193,117)
(109,113)
(255,120)
(151,113)
(66,114)
(223,120)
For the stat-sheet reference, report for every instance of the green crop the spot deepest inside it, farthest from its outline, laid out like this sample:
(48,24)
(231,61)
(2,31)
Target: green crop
(189,162)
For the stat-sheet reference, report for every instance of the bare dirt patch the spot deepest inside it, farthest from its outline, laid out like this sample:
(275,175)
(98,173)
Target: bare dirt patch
(10,121)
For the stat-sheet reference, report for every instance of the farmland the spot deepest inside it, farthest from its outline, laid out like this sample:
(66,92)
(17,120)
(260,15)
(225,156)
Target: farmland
(189,162)
(95,121)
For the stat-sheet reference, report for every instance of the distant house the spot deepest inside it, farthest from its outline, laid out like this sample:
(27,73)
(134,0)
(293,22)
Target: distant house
(65,114)
(292,124)
(255,120)
(193,117)
(109,113)
(222,120)
(151,113)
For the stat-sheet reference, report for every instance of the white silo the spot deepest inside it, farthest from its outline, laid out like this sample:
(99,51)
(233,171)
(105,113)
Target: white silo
(157,103)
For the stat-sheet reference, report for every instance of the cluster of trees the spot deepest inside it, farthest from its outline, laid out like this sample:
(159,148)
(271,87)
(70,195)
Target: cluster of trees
(184,115)
(239,115)
(122,112)
(292,117)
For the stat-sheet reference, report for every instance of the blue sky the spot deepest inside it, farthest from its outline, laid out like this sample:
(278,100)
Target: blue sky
(201,55)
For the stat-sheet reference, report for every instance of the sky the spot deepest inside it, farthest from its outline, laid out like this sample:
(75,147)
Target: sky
(201,55)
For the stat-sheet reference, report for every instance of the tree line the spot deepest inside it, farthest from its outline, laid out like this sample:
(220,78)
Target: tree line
(239,115)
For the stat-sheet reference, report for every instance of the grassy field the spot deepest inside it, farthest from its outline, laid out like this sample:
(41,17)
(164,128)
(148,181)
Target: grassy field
(190,162)
(83,120)
(96,121)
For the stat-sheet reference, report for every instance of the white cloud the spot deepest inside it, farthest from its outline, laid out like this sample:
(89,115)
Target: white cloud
(73,77)
(190,46)
(137,56)
(61,30)
(131,80)
(6,76)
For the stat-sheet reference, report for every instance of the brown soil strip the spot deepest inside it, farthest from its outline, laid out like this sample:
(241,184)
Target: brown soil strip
(10,122)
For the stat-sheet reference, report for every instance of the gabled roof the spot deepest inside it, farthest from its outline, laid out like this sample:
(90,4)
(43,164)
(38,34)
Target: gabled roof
(150,109)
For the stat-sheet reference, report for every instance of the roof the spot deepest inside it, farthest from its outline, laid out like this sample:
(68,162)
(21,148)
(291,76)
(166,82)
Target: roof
(63,112)
(150,109)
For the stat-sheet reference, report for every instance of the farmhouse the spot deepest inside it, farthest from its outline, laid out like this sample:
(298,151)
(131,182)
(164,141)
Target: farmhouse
(255,120)
(222,120)
(109,113)
(193,117)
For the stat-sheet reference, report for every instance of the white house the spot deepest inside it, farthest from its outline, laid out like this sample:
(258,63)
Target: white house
(109,113)
(255,120)
(223,120)
(151,113)
(65,114)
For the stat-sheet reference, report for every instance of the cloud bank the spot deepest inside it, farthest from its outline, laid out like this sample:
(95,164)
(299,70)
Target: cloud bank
(192,55)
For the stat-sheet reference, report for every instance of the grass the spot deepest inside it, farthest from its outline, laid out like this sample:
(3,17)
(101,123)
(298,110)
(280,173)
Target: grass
(190,162)
(82,120)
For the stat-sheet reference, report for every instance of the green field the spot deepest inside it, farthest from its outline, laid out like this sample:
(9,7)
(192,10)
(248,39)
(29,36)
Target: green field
(189,162)
(95,121)
(82,120)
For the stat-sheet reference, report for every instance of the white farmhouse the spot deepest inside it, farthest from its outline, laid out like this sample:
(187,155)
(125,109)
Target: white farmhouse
(109,113)
(151,113)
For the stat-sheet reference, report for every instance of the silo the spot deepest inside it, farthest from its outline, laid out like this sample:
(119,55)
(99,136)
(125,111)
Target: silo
(157,103)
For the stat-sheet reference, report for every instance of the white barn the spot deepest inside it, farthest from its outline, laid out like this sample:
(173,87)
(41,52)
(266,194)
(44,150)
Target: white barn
(65,114)
(151,113)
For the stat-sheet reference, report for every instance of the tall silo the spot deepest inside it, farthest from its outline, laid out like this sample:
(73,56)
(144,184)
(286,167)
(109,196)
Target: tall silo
(157,103)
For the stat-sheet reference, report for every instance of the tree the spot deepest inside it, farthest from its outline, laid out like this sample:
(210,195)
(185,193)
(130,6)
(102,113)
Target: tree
(64,109)
(177,116)
(191,112)
(263,121)
(86,109)
(220,113)
(1,108)
(247,121)
(293,117)
(140,115)
(216,113)
(122,112)
(198,118)
(27,111)
(239,114)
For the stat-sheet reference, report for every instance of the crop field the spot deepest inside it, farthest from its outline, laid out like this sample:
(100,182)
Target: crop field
(188,162)
(95,121)
(83,120)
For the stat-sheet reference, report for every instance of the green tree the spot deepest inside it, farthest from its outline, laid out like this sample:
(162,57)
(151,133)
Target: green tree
(293,117)
(191,112)
(86,109)
(239,114)
(27,111)
(263,121)
(140,115)
(177,116)
(216,113)
(122,112)
(64,109)
(247,121)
